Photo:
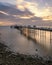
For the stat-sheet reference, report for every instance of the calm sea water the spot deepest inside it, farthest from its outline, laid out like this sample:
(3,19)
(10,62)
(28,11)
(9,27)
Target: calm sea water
(20,44)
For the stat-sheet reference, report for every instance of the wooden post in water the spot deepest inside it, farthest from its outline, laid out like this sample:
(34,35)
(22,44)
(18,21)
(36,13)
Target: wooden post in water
(34,32)
(50,37)
(45,37)
(29,31)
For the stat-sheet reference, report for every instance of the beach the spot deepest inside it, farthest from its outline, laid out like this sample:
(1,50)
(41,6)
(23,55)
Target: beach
(8,57)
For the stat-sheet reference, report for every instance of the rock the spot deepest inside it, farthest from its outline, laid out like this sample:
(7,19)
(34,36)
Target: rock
(36,49)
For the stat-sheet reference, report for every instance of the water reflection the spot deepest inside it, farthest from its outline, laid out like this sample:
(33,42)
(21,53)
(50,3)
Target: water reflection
(42,37)
(19,43)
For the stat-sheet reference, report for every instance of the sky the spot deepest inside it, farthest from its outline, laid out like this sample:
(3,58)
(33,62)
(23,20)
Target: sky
(39,8)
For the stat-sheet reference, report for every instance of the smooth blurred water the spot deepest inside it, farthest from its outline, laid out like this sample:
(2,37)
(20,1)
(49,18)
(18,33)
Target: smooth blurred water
(20,44)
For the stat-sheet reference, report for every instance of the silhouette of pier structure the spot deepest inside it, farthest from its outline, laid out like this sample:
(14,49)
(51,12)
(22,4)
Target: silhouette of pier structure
(40,35)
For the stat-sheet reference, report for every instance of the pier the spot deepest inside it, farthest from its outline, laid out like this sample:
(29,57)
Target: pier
(39,35)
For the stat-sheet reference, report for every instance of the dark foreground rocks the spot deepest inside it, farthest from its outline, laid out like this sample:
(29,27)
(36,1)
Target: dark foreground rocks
(9,58)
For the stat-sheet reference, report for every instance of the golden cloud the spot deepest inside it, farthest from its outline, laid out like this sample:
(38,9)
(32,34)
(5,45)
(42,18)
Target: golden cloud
(20,7)
(26,17)
(47,18)
(19,1)
(1,23)
(6,23)
(34,8)
(46,11)
(23,16)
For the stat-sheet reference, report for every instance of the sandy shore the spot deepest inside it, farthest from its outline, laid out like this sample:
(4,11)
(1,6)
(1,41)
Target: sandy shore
(8,57)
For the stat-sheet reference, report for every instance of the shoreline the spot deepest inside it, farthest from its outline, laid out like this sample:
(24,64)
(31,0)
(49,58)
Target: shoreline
(8,57)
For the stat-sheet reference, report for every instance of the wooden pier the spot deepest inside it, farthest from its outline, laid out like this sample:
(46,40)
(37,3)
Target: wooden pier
(40,35)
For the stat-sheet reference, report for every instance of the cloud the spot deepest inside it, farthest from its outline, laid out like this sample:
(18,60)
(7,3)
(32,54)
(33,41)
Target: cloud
(11,15)
(19,1)
(34,7)
(26,17)
(20,5)
(12,11)
(2,12)
(47,18)
(46,11)
(6,23)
